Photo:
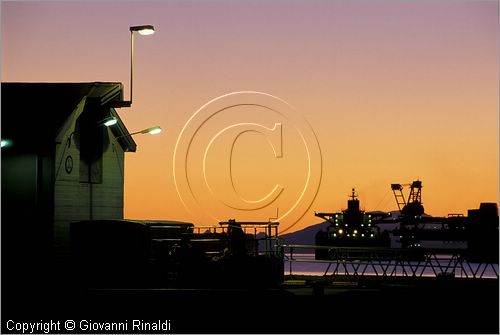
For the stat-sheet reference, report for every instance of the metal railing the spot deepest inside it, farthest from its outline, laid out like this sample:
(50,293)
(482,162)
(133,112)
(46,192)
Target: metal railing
(386,262)
(258,239)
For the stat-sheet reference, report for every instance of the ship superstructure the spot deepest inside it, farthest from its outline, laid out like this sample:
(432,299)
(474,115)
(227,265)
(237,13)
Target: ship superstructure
(350,228)
(476,234)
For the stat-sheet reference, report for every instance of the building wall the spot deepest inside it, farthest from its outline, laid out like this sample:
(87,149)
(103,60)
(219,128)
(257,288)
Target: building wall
(19,202)
(27,217)
(75,200)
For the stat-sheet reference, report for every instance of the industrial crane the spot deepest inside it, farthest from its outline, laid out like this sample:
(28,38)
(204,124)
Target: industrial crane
(411,208)
(411,213)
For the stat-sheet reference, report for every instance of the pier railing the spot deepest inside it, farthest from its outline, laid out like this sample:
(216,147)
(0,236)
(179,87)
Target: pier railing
(253,239)
(385,262)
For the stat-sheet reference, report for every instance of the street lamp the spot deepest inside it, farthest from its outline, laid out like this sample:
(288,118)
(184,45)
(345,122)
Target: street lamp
(142,30)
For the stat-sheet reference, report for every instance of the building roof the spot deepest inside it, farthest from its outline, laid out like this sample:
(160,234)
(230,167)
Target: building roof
(34,113)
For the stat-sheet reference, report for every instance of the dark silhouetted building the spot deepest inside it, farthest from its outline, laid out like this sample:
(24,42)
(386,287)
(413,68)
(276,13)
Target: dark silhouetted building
(483,233)
(60,164)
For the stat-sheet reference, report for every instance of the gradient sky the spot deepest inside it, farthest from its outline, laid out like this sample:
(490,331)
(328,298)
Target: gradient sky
(393,90)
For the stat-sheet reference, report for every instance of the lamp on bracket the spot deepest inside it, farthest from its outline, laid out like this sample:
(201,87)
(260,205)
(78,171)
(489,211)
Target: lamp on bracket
(151,131)
(107,122)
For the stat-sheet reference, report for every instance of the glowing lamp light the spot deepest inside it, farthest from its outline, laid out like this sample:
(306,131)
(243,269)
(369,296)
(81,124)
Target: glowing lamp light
(6,143)
(110,121)
(146,32)
(340,231)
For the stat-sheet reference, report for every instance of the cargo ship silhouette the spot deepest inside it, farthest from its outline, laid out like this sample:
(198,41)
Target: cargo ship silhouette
(477,232)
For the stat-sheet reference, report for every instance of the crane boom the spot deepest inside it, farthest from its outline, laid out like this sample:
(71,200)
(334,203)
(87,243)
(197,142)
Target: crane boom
(411,206)
(397,189)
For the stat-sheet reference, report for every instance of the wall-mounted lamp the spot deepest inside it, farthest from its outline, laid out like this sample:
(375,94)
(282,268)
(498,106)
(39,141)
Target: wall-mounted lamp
(107,122)
(6,143)
(110,121)
(142,30)
(151,131)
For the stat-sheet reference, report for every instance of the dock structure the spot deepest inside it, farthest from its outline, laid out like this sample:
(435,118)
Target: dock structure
(170,254)
(231,278)
(390,262)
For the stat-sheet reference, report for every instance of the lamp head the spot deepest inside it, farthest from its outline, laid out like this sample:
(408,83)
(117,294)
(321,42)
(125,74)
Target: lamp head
(152,130)
(110,121)
(6,143)
(143,30)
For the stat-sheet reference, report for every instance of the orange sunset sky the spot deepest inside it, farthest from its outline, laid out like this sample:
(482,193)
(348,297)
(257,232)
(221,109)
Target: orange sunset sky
(364,93)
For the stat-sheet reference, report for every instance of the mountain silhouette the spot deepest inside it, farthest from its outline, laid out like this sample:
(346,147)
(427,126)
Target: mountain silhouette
(306,235)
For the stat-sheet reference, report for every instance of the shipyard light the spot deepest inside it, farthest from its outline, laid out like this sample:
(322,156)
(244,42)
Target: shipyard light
(355,231)
(341,231)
